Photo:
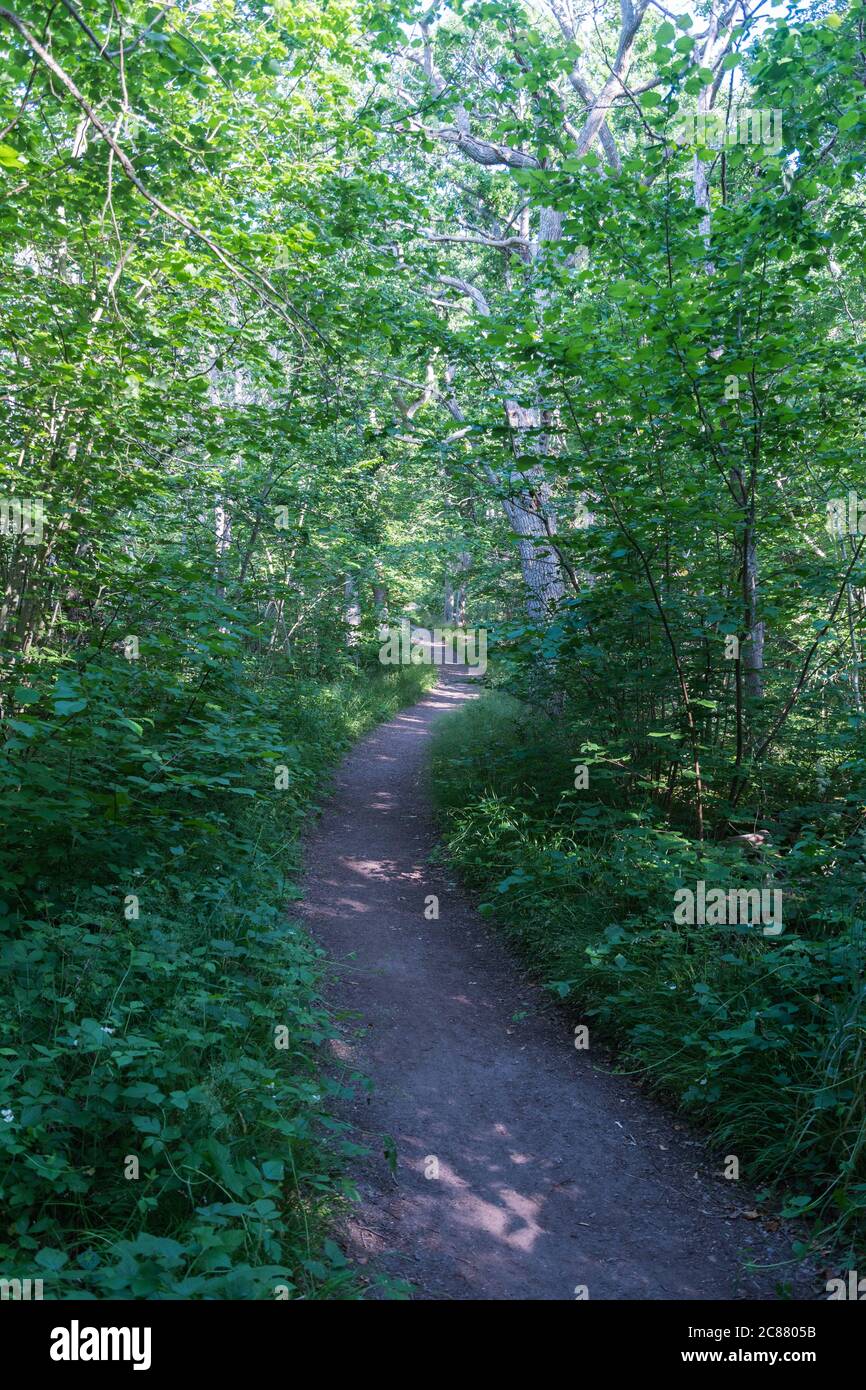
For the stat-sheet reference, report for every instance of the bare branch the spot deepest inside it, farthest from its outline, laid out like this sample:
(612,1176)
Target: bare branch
(505,243)
(410,409)
(632,17)
(484,151)
(98,45)
(470,291)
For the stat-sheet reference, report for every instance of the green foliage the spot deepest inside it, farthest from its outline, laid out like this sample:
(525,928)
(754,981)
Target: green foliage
(269,275)
(761,1040)
(187,395)
(153,1037)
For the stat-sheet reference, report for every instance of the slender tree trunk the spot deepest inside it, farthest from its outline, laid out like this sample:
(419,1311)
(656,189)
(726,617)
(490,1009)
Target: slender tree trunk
(752,650)
(533,520)
(351,612)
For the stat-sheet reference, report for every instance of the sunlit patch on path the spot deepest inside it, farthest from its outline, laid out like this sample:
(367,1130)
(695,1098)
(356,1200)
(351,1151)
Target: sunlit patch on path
(523,1168)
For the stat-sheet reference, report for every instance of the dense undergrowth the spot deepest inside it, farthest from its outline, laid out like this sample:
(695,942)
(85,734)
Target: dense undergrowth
(165,1129)
(759,1039)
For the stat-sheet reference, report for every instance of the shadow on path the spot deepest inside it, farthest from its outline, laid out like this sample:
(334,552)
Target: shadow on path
(552,1172)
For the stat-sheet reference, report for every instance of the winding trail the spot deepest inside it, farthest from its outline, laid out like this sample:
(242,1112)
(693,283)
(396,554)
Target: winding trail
(553,1173)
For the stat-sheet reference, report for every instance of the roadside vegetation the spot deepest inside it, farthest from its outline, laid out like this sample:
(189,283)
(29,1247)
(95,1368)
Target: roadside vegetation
(759,1040)
(165,1102)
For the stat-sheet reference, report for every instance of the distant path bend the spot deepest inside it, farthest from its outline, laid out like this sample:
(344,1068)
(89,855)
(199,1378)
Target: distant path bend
(553,1173)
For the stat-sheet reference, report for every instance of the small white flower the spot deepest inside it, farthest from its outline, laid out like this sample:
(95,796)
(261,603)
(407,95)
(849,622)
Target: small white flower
(7,1115)
(108,1030)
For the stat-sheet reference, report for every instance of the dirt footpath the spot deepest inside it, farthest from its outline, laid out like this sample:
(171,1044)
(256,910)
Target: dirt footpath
(525,1169)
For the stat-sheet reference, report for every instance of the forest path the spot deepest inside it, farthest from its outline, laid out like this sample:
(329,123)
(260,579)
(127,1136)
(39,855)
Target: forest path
(552,1171)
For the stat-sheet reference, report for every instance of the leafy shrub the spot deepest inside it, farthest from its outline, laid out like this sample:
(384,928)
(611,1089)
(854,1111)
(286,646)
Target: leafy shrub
(151,1038)
(760,1039)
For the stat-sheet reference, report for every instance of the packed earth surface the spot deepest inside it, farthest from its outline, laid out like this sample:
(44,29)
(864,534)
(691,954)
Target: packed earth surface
(503,1162)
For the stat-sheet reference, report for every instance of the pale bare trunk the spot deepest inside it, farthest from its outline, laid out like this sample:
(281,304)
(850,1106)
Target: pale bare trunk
(351,611)
(533,519)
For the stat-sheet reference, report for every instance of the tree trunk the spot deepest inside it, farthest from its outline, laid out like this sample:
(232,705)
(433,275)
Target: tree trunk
(533,520)
(351,612)
(752,655)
